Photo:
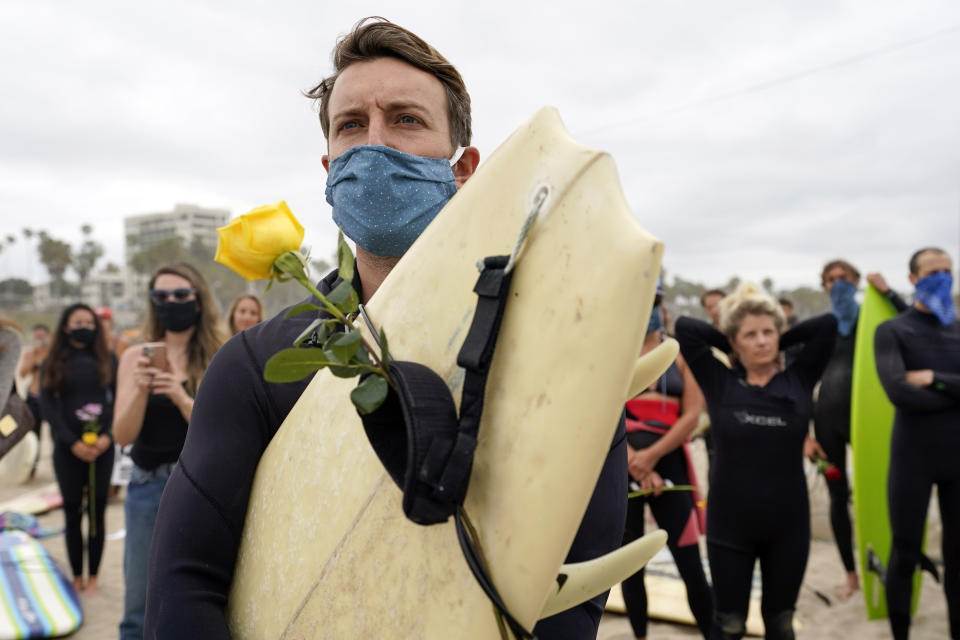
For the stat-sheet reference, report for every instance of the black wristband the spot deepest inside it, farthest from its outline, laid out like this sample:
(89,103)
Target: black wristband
(937,385)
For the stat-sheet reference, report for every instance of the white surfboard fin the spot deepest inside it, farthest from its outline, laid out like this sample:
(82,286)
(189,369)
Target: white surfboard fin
(581,581)
(651,366)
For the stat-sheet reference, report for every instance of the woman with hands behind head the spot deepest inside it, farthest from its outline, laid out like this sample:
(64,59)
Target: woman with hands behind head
(760,412)
(158,380)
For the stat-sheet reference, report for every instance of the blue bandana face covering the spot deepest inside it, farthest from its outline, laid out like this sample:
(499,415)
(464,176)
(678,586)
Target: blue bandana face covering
(845,307)
(383,199)
(934,292)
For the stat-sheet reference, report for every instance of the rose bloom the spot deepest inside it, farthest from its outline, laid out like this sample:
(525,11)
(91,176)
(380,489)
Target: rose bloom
(833,474)
(251,243)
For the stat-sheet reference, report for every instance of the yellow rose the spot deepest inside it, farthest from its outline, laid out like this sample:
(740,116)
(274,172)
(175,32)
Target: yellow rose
(250,244)
(89,438)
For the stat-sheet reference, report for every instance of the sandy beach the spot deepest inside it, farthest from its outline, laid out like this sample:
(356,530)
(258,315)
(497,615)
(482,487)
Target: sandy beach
(840,621)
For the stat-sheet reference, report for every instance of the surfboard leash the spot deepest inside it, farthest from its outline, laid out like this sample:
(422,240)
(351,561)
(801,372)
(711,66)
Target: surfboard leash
(472,552)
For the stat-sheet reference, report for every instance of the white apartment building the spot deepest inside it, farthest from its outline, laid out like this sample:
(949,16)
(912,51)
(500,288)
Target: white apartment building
(186,221)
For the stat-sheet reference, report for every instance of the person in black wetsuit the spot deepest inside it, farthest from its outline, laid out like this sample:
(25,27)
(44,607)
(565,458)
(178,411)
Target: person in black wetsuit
(154,399)
(79,380)
(389,89)
(918,361)
(758,506)
(659,421)
(831,414)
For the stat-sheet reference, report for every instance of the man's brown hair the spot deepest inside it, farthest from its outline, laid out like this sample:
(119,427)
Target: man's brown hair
(711,292)
(384,39)
(915,258)
(846,266)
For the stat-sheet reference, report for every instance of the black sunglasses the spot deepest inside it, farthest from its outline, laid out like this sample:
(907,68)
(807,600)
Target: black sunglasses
(159,296)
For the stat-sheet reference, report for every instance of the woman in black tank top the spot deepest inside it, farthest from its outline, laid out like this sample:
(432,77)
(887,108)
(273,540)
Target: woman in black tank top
(157,382)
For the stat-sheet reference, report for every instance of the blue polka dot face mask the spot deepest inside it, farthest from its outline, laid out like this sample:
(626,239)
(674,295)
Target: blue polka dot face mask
(383,199)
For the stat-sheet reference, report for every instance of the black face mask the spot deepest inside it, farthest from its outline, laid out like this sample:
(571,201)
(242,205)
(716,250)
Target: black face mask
(82,336)
(177,316)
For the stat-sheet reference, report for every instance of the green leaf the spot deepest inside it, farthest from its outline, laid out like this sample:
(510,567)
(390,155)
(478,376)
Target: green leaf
(344,259)
(321,335)
(351,304)
(303,308)
(361,357)
(345,345)
(291,365)
(340,293)
(292,263)
(369,394)
(341,369)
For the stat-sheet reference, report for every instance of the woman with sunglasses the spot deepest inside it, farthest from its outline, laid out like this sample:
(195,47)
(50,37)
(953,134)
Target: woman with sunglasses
(157,383)
(76,398)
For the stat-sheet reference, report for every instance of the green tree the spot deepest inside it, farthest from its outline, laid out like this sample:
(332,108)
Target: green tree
(165,251)
(87,255)
(56,256)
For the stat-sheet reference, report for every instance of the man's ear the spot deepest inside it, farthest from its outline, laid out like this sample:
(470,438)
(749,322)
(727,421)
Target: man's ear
(325,161)
(466,165)
(913,278)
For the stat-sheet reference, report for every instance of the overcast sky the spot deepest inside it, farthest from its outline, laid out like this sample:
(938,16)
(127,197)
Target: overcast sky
(754,138)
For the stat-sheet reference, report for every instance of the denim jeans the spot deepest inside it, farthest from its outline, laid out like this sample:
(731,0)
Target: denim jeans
(143,500)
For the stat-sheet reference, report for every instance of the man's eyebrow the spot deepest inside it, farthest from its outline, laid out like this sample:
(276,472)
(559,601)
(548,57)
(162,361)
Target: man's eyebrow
(399,105)
(350,111)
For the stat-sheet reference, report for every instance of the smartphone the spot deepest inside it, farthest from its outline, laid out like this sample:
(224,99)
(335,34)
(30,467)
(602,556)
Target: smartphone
(157,352)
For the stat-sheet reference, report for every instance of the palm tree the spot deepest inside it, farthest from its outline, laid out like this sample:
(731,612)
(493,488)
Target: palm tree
(86,257)
(56,256)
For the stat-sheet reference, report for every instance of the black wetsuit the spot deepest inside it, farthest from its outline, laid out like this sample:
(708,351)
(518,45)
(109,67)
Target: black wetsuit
(675,512)
(235,416)
(831,420)
(758,505)
(81,386)
(924,450)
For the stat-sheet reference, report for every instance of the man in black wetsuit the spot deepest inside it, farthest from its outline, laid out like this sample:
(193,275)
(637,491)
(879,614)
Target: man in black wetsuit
(832,412)
(918,361)
(392,90)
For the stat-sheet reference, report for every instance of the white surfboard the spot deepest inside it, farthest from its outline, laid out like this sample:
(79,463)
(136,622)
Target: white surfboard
(326,551)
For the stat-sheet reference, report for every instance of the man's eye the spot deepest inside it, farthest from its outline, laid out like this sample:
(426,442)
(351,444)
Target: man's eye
(349,124)
(408,119)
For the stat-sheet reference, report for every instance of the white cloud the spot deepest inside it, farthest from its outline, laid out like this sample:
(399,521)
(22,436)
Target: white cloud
(115,108)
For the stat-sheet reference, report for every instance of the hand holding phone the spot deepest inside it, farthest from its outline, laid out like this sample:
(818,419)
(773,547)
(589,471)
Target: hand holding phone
(157,353)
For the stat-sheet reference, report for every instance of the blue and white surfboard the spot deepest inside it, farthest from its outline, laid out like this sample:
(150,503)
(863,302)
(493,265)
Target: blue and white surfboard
(36,598)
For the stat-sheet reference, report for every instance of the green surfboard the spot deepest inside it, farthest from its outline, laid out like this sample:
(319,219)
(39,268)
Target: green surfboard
(871,427)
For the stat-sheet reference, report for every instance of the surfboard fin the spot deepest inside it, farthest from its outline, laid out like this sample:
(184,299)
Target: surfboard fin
(581,581)
(927,565)
(651,366)
(875,565)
